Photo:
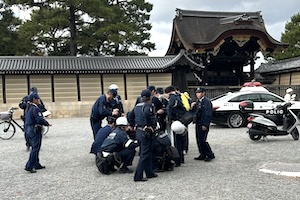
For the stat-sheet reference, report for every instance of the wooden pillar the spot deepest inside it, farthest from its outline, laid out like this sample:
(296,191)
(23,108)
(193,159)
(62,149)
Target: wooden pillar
(179,78)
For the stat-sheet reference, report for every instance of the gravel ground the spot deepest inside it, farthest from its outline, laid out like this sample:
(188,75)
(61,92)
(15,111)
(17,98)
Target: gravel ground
(71,172)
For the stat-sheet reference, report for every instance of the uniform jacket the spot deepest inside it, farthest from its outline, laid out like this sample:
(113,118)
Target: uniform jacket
(101,108)
(100,137)
(175,107)
(34,117)
(116,141)
(203,111)
(143,115)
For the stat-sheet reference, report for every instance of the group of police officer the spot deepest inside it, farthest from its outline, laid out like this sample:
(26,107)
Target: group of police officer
(154,112)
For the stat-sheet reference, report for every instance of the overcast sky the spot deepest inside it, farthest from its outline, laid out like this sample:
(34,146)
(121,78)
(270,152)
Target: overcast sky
(276,13)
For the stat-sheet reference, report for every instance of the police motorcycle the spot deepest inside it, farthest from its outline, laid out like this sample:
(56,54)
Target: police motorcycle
(261,126)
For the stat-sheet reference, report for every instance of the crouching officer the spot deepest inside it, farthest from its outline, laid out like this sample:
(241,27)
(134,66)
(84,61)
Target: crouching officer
(143,118)
(34,121)
(119,142)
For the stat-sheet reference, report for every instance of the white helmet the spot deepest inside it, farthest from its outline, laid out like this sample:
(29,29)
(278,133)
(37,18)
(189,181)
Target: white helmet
(113,87)
(178,127)
(289,90)
(121,121)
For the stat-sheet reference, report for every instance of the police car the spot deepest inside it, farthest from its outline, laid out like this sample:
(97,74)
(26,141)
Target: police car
(226,106)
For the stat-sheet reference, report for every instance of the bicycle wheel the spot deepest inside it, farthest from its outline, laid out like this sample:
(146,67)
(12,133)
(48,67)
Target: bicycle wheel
(45,130)
(7,130)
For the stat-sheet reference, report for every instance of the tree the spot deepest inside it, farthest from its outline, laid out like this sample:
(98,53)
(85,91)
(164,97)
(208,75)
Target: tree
(291,36)
(8,33)
(92,27)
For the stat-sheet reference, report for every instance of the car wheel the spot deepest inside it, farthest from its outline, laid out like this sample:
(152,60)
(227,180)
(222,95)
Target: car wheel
(235,120)
(295,134)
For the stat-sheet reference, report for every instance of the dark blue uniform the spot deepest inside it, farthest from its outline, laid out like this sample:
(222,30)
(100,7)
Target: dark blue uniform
(141,116)
(203,115)
(34,119)
(175,109)
(118,141)
(160,103)
(100,137)
(117,103)
(100,110)
(23,105)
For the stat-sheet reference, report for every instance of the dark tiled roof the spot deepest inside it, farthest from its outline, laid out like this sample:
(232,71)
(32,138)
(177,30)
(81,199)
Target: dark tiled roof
(204,29)
(281,66)
(87,65)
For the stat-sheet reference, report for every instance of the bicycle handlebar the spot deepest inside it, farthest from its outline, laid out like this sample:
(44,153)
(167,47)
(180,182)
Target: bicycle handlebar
(13,108)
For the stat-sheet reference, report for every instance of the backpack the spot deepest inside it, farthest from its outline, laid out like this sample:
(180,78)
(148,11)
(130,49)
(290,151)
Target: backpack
(102,164)
(185,101)
(172,153)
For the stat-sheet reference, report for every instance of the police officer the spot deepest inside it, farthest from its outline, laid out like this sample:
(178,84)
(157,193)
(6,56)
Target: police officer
(102,109)
(175,110)
(34,121)
(142,117)
(202,118)
(118,141)
(23,105)
(160,104)
(116,102)
(102,134)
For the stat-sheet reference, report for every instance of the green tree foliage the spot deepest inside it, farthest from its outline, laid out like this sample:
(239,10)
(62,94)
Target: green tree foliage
(90,27)
(9,37)
(291,36)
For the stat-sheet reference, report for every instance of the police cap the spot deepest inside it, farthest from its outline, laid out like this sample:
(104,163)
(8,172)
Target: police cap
(146,94)
(33,96)
(200,89)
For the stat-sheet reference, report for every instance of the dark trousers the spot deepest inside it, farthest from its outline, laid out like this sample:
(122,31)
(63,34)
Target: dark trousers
(203,146)
(25,135)
(127,156)
(96,125)
(145,161)
(36,142)
(179,144)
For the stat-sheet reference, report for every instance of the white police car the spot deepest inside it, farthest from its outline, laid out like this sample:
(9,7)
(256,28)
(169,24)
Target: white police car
(226,106)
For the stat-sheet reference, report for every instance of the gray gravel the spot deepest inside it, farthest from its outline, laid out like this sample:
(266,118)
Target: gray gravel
(71,172)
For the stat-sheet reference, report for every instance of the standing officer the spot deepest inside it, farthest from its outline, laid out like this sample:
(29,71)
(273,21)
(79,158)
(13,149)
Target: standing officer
(143,118)
(23,105)
(34,121)
(202,118)
(102,109)
(175,110)
(160,104)
(116,102)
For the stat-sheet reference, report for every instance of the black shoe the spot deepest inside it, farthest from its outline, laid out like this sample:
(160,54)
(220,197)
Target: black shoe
(113,170)
(140,180)
(40,167)
(124,170)
(199,158)
(209,158)
(30,170)
(152,176)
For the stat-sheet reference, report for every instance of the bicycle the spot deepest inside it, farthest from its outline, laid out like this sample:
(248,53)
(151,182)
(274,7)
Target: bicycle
(7,125)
